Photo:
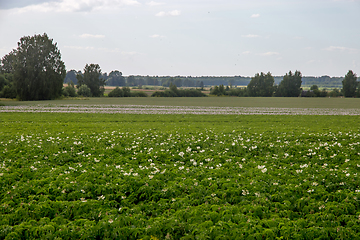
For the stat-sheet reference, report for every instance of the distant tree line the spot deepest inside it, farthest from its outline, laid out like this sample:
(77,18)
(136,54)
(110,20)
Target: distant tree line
(115,78)
(263,85)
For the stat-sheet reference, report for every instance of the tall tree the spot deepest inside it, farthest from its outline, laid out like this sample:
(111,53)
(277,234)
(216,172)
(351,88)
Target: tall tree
(350,84)
(7,62)
(290,86)
(92,79)
(37,68)
(115,79)
(261,85)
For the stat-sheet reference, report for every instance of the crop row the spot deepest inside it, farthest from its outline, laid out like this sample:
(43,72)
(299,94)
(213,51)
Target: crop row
(146,109)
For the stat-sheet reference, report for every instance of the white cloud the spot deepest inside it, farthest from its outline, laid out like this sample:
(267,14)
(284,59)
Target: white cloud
(170,13)
(152,3)
(343,49)
(77,6)
(250,36)
(269,54)
(157,36)
(246,52)
(255,15)
(86,35)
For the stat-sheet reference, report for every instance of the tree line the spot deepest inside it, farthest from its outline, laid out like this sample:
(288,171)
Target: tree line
(263,85)
(35,71)
(115,78)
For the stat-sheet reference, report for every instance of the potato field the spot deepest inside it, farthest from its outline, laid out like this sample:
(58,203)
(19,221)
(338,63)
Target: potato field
(179,176)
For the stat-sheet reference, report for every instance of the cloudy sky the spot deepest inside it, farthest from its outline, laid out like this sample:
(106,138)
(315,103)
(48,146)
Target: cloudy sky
(193,37)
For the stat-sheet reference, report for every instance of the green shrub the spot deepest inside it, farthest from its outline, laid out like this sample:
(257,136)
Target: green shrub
(116,92)
(84,91)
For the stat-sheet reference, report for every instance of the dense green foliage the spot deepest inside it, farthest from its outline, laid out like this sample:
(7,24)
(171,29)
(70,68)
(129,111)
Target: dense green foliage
(84,91)
(115,78)
(93,176)
(173,91)
(350,84)
(125,92)
(261,85)
(36,68)
(7,88)
(69,90)
(290,86)
(92,78)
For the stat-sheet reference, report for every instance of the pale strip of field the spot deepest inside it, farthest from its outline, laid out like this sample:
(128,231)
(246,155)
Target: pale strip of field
(272,102)
(151,109)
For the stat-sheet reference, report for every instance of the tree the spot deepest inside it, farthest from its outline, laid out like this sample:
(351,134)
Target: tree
(117,92)
(69,90)
(71,76)
(261,85)
(350,84)
(92,78)
(290,86)
(131,81)
(84,91)
(115,79)
(7,62)
(37,68)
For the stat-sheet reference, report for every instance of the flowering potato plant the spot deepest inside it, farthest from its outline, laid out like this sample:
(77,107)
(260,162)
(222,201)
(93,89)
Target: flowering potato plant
(175,177)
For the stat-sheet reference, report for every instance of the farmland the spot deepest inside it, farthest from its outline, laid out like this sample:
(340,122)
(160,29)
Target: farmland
(179,176)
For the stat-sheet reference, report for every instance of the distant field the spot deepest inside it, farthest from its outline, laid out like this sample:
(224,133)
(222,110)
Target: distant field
(344,103)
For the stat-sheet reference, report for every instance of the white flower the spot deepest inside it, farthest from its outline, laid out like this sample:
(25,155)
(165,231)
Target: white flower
(261,166)
(102,197)
(264,170)
(111,221)
(188,149)
(213,194)
(299,171)
(181,154)
(151,176)
(245,192)
(123,197)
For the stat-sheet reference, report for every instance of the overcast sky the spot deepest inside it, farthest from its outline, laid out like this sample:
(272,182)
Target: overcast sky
(193,37)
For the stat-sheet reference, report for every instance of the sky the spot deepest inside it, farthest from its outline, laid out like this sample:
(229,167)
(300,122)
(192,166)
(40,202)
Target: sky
(193,37)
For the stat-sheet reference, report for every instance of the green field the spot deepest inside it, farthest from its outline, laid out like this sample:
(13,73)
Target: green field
(124,176)
(344,103)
